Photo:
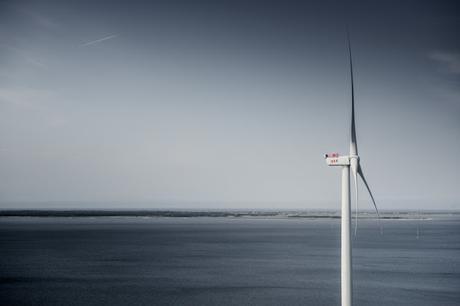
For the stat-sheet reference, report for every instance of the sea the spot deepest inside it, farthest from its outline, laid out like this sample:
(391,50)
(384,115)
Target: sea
(250,260)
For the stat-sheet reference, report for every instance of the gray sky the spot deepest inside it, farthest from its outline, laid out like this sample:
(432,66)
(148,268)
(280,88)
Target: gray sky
(226,104)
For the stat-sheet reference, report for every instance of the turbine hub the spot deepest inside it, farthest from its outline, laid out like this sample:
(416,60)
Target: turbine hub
(354,157)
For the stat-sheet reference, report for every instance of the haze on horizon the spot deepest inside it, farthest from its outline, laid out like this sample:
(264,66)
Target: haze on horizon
(226,104)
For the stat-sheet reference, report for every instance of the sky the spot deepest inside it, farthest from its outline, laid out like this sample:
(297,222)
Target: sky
(226,104)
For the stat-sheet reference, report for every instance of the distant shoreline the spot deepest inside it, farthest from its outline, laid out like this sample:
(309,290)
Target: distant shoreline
(208,213)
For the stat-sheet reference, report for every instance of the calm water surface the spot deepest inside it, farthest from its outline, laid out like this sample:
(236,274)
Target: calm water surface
(224,261)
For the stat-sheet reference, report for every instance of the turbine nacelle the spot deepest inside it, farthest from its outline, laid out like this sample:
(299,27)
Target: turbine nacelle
(334,159)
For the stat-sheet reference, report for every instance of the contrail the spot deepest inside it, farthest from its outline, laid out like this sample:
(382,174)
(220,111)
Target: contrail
(99,40)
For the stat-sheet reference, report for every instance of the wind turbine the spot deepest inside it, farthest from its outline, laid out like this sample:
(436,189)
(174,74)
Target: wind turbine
(347,162)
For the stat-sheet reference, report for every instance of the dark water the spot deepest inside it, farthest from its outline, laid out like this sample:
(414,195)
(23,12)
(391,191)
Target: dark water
(224,261)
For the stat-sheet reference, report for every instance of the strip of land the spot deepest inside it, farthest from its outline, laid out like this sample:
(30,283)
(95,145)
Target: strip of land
(205,213)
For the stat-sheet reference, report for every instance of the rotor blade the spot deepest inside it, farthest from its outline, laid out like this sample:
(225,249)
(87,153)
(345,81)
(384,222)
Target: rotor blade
(353,143)
(354,170)
(361,174)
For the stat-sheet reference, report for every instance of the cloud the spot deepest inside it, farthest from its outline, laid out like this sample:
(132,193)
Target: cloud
(24,97)
(38,18)
(43,20)
(99,40)
(25,55)
(449,60)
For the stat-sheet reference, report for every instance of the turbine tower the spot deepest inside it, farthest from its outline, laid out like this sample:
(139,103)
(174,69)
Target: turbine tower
(347,162)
